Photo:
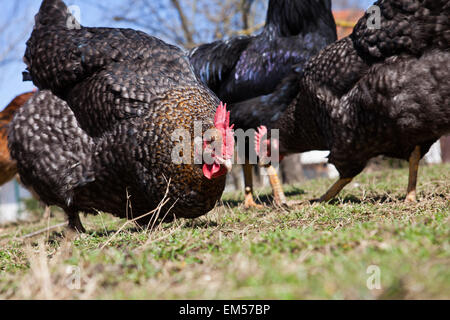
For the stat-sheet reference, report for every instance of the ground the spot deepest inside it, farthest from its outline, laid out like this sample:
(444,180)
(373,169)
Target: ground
(367,244)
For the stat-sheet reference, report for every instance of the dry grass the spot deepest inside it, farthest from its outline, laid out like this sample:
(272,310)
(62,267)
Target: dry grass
(315,251)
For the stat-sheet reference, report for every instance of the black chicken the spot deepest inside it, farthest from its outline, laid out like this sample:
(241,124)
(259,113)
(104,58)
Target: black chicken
(245,67)
(100,134)
(381,91)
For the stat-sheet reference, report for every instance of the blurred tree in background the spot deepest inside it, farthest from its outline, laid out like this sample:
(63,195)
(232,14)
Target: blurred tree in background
(189,23)
(14,29)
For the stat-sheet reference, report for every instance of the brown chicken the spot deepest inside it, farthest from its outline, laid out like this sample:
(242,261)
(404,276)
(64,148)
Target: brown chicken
(101,134)
(8,168)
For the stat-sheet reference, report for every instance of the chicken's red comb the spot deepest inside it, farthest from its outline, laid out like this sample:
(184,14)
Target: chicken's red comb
(222,122)
(222,117)
(262,131)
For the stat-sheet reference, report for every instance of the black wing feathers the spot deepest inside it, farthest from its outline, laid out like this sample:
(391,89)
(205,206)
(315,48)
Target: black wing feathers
(213,62)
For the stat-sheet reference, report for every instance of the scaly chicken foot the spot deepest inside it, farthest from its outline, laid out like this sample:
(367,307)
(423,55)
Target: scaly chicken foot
(413,170)
(278,194)
(249,202)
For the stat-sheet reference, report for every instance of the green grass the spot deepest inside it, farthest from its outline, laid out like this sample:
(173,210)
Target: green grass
(319,251)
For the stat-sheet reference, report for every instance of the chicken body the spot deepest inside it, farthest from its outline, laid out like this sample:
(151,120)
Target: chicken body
(99,136)
(242,68)
(381,91)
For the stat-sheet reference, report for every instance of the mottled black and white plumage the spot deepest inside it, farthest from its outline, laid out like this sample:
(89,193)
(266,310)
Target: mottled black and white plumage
(377,92)
(245,67)
(100,129)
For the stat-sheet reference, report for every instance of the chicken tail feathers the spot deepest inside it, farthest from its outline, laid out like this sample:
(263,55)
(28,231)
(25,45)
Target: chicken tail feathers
(53,12)
(44,54)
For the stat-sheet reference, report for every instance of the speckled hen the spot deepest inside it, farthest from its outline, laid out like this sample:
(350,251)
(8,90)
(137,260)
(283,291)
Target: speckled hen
(98,136)
(244,67)
(381,91)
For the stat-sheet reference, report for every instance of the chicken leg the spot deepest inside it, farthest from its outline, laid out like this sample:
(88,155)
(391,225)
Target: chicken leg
(278,194)
(412,180)
(75,224)
(47,212)
(334,190)
(249,202)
